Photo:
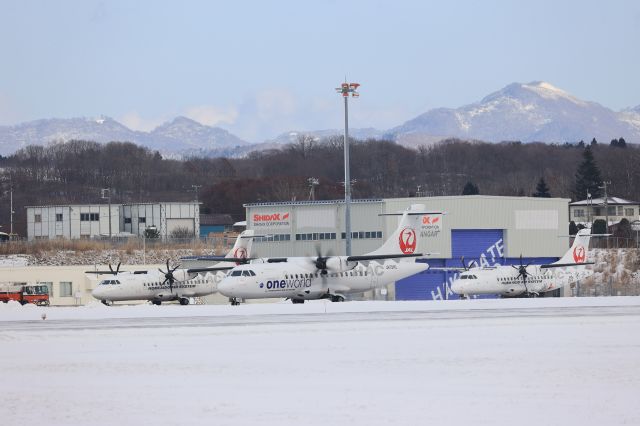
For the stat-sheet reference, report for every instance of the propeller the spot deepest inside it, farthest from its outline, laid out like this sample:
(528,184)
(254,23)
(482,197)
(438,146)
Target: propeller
(464,265)
(522,271)
(321,261)
(117,269)
(168,275)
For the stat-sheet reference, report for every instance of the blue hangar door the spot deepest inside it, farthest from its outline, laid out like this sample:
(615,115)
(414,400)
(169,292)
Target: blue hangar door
(478,246)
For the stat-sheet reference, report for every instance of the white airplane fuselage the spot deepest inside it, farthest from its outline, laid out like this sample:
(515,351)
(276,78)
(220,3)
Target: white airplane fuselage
(299,279)
(127,286)
(506,281)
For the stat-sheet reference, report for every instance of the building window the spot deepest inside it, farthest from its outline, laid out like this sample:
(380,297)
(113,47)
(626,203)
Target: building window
(628,212)
(275,237)
(578,213)
(58,217)
(66,289)
(95,217)
(620,210)
(142,220)
(37,218)
(84,217)
(361,235)
(611,210)
(127,220)
(597,211)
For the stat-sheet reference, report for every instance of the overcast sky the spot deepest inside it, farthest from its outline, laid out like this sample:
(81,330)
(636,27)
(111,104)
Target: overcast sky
(259,68)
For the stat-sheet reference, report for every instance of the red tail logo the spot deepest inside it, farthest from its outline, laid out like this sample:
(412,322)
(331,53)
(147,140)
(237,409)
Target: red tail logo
(407,241)
(240,253)
(579,254)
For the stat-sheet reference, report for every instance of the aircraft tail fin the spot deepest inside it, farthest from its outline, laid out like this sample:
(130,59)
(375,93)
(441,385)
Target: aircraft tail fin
(406,237)
(578,253)
(242,247)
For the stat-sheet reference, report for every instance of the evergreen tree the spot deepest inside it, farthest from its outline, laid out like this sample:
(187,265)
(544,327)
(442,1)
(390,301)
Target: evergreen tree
(594,142)
(470,189)
(599,227)
(587,177)
(573,229)
(581,144)
(542,190)
(614,142)
(622,143)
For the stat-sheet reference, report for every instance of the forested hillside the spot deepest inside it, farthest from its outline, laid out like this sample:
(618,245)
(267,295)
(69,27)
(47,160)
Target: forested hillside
(75,172)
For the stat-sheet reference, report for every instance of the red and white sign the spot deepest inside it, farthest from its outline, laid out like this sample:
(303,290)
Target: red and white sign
(431,225)
(408,241)
(271,220)
(579,254)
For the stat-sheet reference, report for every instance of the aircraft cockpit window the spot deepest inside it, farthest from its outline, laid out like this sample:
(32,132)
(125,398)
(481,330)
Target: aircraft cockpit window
(464,277)
(246,274)
(236,273)
(473,277)
(253,274)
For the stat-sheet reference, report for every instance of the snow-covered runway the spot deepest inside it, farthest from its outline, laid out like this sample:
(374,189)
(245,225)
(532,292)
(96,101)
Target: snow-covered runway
(539,361)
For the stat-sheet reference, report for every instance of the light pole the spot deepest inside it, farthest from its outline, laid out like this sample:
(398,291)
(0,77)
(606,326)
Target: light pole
(345,89)
(195,188)
(108,197)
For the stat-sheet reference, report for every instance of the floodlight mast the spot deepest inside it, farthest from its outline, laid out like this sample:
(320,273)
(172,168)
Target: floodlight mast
(345,89)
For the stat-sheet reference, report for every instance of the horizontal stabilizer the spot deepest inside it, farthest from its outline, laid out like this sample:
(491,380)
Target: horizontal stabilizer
(409,213)
(381,256)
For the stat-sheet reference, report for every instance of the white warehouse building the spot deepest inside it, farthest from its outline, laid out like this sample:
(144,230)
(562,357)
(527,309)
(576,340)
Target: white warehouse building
(95,220)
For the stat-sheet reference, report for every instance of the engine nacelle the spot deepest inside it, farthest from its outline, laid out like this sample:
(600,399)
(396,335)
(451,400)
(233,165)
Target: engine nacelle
(339,264)
(183,275)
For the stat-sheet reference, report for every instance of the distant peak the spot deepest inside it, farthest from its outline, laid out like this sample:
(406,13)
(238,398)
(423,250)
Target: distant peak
(546,89)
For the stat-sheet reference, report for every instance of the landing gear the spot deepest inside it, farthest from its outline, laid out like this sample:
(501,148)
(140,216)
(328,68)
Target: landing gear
(184,301)
(296,301)
(107,302)
(337,298)
(157,302)
(234,301)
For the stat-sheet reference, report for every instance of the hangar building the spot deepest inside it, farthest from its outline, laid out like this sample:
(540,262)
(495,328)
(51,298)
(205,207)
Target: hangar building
(93,220)
(486,230)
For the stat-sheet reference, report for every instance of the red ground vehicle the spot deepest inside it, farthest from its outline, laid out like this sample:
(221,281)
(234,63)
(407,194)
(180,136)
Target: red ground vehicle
(25,293)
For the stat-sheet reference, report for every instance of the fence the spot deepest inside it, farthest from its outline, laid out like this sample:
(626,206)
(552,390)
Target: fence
(23,246)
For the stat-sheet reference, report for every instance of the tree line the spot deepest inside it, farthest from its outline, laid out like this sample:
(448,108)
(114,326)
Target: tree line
(75,172)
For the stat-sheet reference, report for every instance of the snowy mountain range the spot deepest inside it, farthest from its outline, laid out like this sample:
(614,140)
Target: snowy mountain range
(529,112)
(178,136)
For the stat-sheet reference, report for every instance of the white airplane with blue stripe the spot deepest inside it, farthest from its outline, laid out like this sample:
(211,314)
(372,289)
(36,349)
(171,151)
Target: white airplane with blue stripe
(330,277)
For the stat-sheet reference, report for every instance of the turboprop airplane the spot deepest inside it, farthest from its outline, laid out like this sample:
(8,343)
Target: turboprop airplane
(172,284)
(330,277)
(527,280)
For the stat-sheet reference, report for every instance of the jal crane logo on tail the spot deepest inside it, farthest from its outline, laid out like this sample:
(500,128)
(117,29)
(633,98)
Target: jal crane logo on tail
(579,254)
(407,241)
(240,253)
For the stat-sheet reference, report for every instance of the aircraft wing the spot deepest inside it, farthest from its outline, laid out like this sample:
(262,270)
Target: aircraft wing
(381,256)
(219,259)
(210,269)
(562,265)
(114,272)
(448,268)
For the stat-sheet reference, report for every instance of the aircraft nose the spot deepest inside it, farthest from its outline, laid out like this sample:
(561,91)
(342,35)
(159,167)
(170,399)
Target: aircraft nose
(457,287)
(224,287)
(97,292)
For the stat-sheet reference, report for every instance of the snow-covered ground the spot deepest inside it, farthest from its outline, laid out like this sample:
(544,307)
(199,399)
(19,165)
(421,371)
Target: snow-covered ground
(526,362)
